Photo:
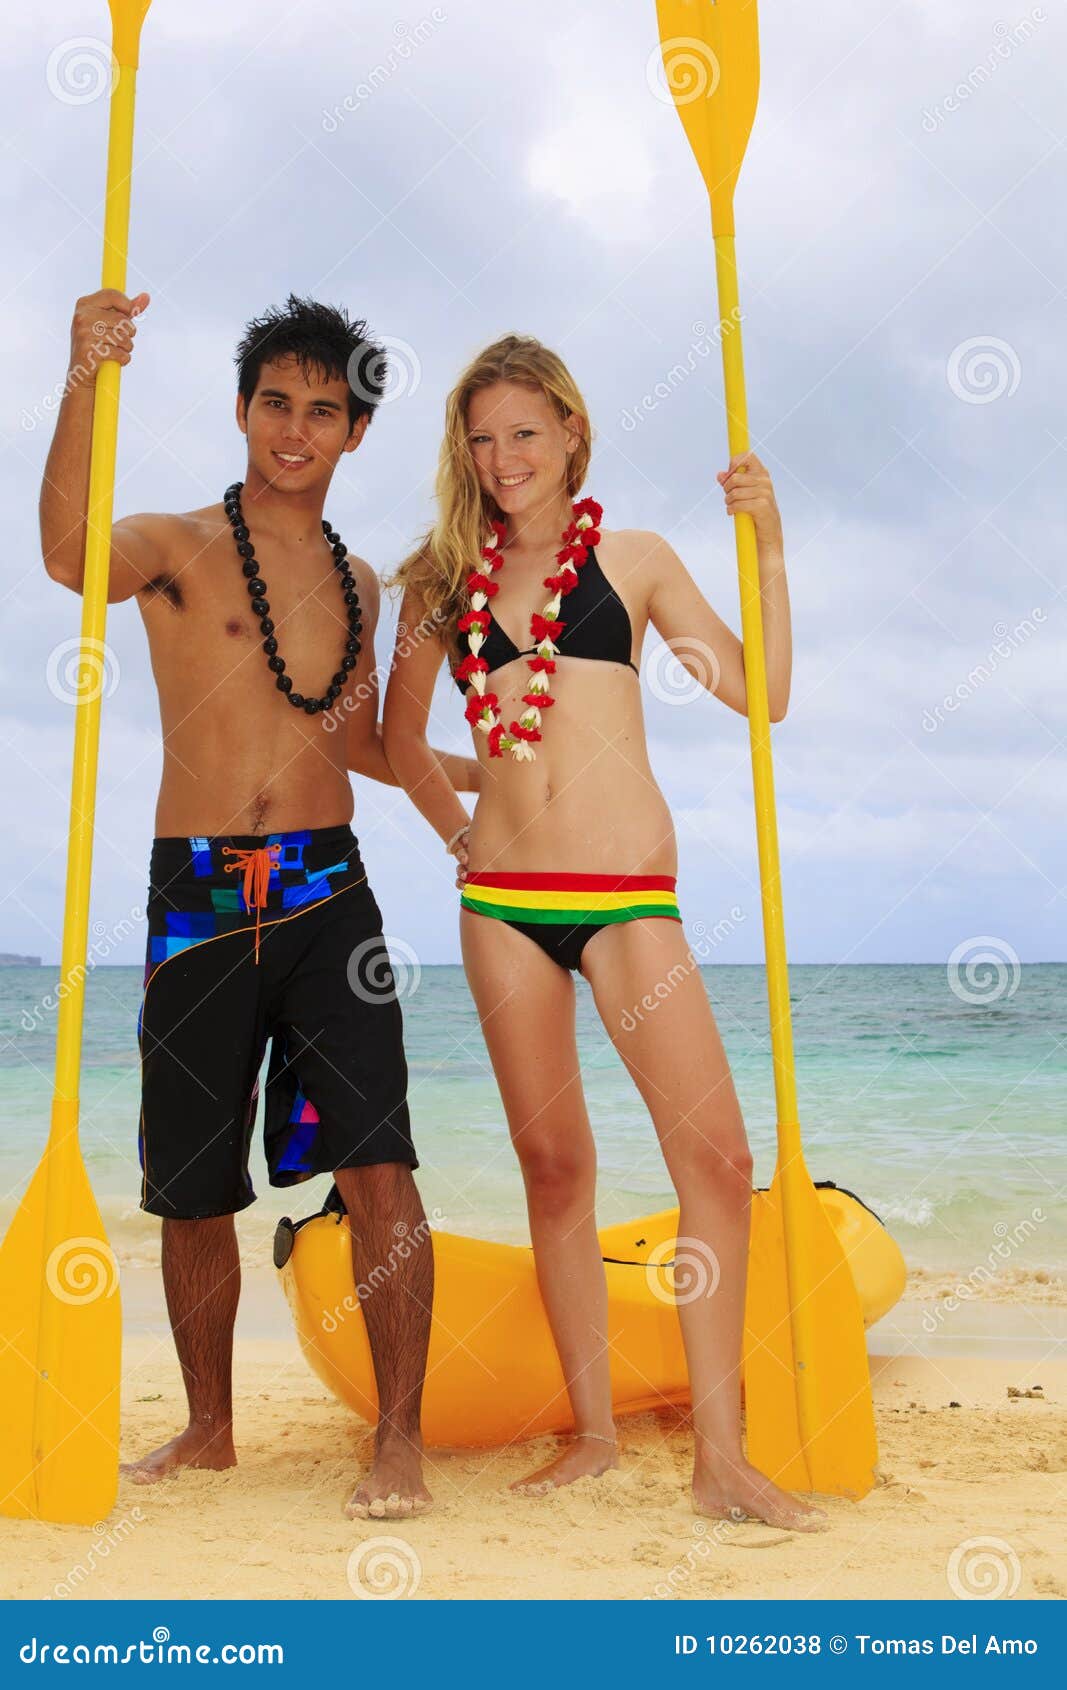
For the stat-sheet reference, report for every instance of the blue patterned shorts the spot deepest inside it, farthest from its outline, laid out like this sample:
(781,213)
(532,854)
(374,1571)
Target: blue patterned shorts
(253,938)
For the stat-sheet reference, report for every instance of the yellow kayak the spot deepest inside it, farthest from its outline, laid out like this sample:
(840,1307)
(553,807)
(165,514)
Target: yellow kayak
(493,1375)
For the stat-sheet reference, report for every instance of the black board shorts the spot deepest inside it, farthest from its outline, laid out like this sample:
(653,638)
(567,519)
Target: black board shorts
(250,938)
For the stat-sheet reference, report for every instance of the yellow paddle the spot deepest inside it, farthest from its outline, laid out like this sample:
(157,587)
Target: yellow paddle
(60,1317)
(807,1383)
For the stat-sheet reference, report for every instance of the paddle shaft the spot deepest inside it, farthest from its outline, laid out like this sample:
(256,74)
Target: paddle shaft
(791,1168)
(94,618)
(63,1131)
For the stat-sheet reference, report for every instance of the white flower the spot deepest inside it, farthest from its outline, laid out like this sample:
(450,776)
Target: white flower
(484,722)
(584,521)
(539,682)
(478,601)
(546,649)
(477,681)
(531,717)
(476,640)
(522,751)
(551,610)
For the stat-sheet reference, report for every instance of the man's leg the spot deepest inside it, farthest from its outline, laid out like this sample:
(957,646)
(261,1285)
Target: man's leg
(385,1213)
(202,1280)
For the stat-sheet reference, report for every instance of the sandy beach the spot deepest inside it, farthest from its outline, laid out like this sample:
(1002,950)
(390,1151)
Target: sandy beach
(973,1476)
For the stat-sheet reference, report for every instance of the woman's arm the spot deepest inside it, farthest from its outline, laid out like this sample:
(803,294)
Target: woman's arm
(364,747)
(700,639)
(405,714)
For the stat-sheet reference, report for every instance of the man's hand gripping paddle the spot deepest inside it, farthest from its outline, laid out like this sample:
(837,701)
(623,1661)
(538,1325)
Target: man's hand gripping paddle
(60,1316)
(808,1403)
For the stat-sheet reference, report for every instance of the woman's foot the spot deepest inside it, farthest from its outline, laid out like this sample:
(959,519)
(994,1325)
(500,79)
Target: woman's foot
(737,1491)
(200,1445)
(585,1457)
(393,1489)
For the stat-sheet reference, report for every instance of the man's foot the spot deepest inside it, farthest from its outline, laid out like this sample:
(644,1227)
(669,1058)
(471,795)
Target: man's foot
(585,1457)
(738,1492)
(393,1489)
(197,1446)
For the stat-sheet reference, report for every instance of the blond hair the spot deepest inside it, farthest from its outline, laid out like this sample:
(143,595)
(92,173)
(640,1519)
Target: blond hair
(436,571)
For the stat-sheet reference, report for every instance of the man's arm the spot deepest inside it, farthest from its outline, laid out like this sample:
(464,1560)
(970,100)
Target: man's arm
(102,328)
(363,733)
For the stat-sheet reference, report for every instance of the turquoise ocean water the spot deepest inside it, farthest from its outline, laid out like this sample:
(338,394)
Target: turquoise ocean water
(946,1115)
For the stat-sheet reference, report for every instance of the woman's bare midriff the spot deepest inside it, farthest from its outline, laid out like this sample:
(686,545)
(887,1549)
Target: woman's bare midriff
(589,804)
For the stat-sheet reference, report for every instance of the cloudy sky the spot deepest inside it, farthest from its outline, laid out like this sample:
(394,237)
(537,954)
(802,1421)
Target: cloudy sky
(455,171)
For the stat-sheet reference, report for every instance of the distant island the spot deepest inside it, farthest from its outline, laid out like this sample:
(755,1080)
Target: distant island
(8,959)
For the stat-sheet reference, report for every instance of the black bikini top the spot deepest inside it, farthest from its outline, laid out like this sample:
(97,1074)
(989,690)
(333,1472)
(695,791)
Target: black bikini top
(596,625)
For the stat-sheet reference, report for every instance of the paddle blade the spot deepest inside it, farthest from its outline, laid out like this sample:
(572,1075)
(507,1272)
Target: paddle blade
(127,16)
(810,1417)
(60,1351)
(710,54)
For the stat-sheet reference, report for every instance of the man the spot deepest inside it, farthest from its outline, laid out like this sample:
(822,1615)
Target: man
(261,923)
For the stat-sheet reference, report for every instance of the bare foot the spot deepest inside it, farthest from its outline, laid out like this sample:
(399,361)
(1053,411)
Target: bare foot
(393,1489)
(737,1491)
(583,1458)
(198,1446)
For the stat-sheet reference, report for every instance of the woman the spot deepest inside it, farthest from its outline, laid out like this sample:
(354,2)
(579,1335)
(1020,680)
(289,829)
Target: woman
(569,863)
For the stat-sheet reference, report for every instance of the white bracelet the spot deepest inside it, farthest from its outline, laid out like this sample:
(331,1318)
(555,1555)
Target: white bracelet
(460,831)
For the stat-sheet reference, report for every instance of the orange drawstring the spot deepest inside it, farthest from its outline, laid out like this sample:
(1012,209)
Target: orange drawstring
(257,865)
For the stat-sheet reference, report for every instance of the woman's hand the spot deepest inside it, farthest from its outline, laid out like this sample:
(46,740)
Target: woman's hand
(747,486)
(460,849)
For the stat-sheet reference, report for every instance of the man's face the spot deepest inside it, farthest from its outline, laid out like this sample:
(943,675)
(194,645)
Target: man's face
(297,425)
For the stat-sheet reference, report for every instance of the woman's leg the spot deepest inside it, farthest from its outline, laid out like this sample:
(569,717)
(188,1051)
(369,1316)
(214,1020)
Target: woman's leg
(676,1057)
(525,1002)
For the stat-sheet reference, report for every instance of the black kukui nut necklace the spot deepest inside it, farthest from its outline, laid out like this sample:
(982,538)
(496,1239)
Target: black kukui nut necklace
(258,590)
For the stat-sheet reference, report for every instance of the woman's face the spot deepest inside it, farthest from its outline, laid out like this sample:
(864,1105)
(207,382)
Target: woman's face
(520,446)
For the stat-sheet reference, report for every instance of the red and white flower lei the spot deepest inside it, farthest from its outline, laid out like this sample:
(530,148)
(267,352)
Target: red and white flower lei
(545,628)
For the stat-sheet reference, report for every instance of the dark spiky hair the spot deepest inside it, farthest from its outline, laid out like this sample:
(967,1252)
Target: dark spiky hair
(322,338)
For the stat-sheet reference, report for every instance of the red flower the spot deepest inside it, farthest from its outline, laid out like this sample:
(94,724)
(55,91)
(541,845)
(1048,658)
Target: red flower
(589,507)
(591,536)
(540,629)
(494,740)
(519,732)
(479,583)
(479,707)
(492,559)
(544,664)
(473,619)
(540,699)
(469,666)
